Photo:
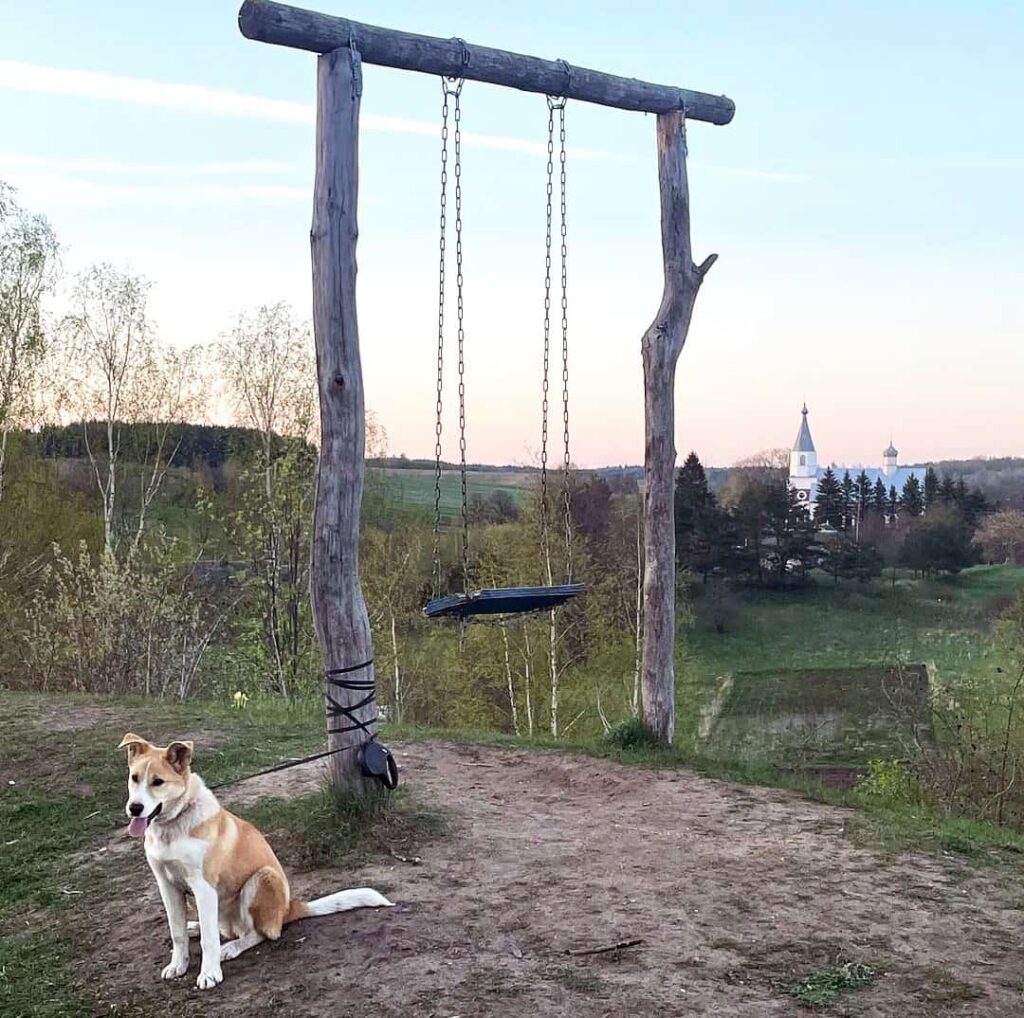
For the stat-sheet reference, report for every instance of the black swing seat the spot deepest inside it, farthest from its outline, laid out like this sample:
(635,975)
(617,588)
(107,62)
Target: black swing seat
(502,601)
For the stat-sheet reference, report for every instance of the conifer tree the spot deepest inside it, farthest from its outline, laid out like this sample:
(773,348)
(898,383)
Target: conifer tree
(849,500)
(912,501)
(879,498)
(829,502)
(931,487)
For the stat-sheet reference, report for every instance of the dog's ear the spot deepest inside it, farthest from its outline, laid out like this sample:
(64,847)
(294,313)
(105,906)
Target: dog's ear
(179,755)
(135,744)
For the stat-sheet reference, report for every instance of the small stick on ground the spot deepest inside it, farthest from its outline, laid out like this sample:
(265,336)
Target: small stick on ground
(620,946)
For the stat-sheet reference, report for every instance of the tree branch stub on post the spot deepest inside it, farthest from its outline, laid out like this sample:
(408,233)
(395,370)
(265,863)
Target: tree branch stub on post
(339,610)
(662,344)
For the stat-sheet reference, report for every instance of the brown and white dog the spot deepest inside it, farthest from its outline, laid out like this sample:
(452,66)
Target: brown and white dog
(194,846)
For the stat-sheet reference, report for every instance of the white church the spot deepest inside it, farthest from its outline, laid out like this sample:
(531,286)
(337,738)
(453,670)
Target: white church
(804,472)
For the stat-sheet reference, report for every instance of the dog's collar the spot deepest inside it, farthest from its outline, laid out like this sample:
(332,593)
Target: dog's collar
(152,816)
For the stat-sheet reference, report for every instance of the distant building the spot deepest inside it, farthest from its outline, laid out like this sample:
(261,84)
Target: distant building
(804,472)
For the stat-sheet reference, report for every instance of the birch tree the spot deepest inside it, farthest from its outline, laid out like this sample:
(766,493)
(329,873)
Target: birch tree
(28,273)
(268,368)
(118,374)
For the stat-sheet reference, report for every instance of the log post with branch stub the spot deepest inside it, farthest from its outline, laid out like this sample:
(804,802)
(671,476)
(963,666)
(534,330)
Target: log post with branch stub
(662,344)
(339,610)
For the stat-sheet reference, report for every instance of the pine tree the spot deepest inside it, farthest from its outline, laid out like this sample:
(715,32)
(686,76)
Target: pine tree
(931,487)
(697,519)
(863,494)
(912,501)
(947,490)
(828,507)
(893,508)
(879,498)
(849,501)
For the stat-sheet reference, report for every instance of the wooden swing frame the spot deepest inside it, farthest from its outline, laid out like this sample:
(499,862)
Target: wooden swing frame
(343,46)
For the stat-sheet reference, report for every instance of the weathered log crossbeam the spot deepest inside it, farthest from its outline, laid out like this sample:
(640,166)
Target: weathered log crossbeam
(283,25)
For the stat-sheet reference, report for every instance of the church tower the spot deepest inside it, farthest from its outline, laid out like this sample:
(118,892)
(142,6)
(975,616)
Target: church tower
(889,460)
(803,462)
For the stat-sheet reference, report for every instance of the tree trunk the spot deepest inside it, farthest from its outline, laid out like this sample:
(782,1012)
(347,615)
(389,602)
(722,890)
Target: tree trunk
(638,618)
(339,610)
(662,344)
(508,678)
(396,671)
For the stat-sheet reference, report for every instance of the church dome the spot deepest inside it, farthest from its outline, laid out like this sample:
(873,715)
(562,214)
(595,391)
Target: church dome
(891,451)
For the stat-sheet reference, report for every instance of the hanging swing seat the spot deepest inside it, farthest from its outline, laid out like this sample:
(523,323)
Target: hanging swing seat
(502,601)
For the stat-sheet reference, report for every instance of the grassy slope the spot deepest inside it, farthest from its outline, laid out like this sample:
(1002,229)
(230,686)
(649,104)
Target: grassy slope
(942,623)
(416,487)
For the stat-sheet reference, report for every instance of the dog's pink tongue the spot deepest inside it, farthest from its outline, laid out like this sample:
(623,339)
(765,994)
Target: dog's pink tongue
(137,828)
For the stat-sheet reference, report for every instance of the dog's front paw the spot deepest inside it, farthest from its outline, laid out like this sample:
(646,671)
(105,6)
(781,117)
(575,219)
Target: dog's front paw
(209,978)
(177,968)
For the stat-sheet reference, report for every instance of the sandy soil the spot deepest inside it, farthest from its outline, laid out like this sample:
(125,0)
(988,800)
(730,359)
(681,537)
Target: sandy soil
(734,892)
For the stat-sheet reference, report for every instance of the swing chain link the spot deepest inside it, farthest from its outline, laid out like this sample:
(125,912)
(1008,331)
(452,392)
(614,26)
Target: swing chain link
(565,349)
(461,335)
(451,88)
(445,92)
(544,527)
(556,103)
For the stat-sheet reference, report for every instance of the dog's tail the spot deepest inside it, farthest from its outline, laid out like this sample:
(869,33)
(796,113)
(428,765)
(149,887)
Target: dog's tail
(342,901)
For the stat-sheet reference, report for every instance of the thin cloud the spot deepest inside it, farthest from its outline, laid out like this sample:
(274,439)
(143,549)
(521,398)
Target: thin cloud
(69,191)
(39,78)
(15,162)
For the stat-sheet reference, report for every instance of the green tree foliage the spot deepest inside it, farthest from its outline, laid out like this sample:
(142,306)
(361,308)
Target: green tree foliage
(862,495)
(848,489)
(700,525)
(267,360)
(879,498)
(912,499)
(941,541)
(931,487)
(830,507)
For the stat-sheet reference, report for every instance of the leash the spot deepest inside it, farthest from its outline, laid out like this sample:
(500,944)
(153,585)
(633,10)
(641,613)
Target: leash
(280,767)
(375,759)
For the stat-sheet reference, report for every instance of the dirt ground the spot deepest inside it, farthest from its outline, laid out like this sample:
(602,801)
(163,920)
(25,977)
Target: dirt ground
(734,892)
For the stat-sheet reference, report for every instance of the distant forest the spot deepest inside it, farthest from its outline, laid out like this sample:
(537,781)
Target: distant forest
(1000,479)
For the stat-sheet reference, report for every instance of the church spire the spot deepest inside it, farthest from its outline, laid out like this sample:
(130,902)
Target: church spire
(804,442)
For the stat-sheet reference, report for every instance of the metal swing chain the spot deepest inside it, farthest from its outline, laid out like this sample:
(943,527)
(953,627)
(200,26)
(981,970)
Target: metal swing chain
(457,92)
(555,103)
(544,522)
(440,340)
(566,489)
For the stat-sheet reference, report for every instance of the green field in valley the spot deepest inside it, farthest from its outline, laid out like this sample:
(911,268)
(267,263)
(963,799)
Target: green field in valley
(944,624)
(415,487)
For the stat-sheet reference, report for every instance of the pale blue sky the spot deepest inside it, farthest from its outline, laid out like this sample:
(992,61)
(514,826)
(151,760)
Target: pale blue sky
(866,204)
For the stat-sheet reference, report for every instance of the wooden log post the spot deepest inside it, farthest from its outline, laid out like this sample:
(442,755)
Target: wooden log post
(339,610)
(662,343)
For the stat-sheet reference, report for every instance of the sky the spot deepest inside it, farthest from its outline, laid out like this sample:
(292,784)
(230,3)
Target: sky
(866,204)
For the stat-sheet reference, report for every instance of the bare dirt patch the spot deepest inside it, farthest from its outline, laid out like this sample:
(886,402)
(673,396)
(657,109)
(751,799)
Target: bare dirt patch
(736,893)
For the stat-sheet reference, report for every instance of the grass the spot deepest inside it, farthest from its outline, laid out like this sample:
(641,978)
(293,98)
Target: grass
(826,986)
(62,797)
(415,487)
(941,623)
(322,829)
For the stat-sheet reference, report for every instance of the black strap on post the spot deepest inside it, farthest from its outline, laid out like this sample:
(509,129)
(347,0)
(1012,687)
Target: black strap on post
(375,759)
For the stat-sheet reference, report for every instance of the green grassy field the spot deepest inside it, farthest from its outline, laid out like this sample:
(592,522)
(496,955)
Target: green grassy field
(945,624)
(416,487)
